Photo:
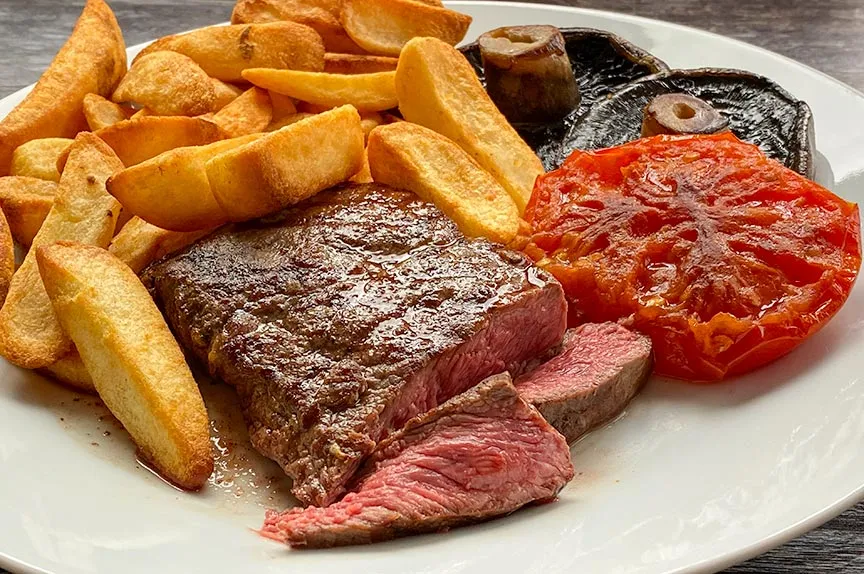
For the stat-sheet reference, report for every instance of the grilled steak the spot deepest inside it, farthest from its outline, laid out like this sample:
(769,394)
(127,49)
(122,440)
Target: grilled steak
(601,367)
(481,454)
(346,316)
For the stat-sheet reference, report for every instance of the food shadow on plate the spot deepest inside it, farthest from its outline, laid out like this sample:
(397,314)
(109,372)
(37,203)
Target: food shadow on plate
(83,416)
(241,478)
(502,526)
(799,364)
(824,174)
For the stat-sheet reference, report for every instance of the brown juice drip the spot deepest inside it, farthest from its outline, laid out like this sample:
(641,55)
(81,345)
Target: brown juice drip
(140,459)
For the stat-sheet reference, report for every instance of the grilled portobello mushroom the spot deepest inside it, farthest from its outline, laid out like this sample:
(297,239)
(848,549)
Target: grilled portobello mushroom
(528,73)
(601,63)
(757,110)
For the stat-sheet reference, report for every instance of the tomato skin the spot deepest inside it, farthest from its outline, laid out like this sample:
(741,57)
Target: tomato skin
(725,258)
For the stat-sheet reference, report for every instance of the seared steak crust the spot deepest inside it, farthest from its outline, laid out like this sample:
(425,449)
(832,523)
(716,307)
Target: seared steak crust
(345,316)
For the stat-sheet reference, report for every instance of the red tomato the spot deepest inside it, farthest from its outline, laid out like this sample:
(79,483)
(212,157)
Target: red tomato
(725,258)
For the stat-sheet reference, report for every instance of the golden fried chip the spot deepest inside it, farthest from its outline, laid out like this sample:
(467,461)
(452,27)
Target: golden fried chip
(364,175)
(26,202)
(408,156)
(83,211)
(250,113)
(283,106)
(139,243)
(323,20)
(332,6)
(438,88)
(171,190)
(7,257)
(137,367)
(288,120)
(101,113)
(223,52)
(225,94)
(135,141)
(369,121)
(383,27)
(366,92)
(308,108)
(38,158)
(92,61)
(289,165)
(70,371)
(142,113)
(168,84)
(358,64)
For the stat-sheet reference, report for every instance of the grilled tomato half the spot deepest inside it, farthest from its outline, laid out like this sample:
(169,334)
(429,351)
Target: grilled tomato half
(724,257)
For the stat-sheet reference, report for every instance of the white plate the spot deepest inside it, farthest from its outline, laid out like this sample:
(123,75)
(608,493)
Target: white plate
(691,479)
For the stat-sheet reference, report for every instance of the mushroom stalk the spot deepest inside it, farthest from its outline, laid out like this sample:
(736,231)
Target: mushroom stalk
(528,73)
(681,114)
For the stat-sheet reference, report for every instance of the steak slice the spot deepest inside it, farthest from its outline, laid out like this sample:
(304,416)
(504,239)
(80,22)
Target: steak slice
(346,316)
(600,367)
(481,454)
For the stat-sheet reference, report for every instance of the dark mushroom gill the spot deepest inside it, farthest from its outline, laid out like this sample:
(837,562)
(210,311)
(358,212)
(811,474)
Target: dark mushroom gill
(602,63)
(759,111)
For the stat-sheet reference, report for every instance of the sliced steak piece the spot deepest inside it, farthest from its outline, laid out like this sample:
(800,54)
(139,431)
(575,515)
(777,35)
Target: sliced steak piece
(348,315)
(481,454)
(600,367)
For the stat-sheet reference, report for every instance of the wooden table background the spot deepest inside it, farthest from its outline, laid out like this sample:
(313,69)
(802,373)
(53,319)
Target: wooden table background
(825,34)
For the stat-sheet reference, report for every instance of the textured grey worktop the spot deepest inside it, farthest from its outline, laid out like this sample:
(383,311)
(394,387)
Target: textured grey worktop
(825,34)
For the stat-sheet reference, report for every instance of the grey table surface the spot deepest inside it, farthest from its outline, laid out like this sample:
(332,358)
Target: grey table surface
(825,34)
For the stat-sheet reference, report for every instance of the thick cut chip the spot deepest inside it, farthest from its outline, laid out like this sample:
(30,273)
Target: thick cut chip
(408,156)
(365,174)
(223,52)
(249,114)
(438,88)
(369,121)
(142,113)
(288,120)
(366,92)
(135,141)
(283,106)
(171,190)
(38,158)
(101,113)
(92,61)
(358,64)
(384,26)
(725,258)
(225,94)
(322,19)
(25,202)
(70,371)
(7,257)
(168,84)
(136,365)
(83,211)
(289,165)
(139,243)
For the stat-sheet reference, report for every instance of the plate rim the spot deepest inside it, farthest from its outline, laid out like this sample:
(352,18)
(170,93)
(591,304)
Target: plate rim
(722,560)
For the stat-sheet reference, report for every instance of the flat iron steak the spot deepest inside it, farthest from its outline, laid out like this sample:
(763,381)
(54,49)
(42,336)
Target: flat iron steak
(346,316)
(600,368)
(481,454)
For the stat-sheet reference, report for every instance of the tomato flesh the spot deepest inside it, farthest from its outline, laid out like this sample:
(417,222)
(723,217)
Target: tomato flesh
(725,258)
